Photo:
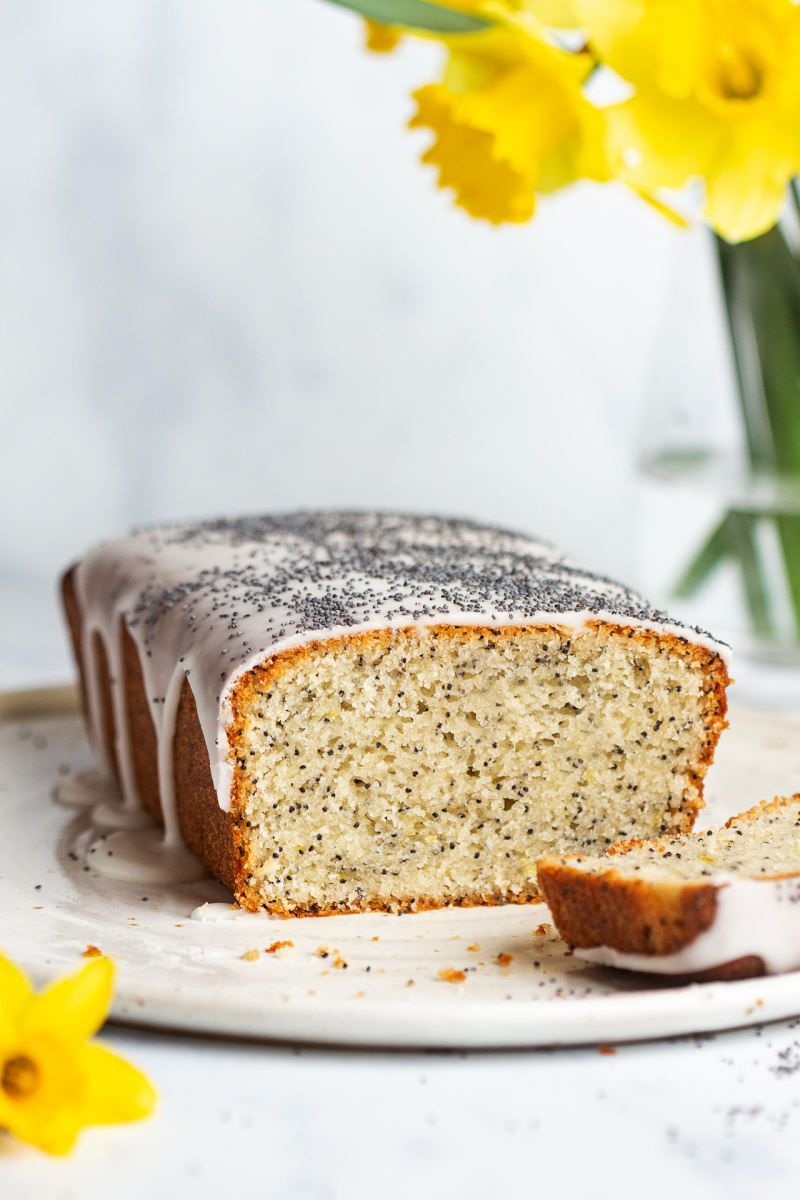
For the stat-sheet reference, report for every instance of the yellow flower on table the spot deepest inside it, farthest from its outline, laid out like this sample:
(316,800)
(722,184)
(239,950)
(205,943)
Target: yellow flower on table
(717,96)
(52,1080)
(509,118)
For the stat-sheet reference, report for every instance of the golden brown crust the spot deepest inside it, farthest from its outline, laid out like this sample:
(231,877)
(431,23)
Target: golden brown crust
(747,967)
(633,916)
(208,831)
(250,899)
(758,810)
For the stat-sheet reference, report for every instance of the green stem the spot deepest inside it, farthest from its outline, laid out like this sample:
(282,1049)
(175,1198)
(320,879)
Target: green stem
(762,294)
(735,537)
(761,288)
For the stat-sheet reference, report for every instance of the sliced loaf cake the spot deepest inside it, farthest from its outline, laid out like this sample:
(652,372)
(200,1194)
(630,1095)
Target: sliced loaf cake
(720,903)
(346,711)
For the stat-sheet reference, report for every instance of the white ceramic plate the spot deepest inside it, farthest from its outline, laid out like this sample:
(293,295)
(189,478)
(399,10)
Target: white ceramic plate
(190,974)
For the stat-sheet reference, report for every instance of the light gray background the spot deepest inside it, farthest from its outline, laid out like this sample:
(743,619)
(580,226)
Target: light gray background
(226,284)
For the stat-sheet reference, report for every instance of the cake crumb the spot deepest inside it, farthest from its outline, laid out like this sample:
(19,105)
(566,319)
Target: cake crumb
(451,975)
(410,983)
(375,939)
(339,962)
(92,952)
(607,1049)
(542,930)
(276,946)
(504,959)
(322,952)
(250,955)
(475,948)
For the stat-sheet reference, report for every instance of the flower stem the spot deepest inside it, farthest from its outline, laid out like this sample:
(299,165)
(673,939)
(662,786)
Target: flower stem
(761,287)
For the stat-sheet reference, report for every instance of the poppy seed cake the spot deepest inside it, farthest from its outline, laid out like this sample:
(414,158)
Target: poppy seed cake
(349,711)
(719,903)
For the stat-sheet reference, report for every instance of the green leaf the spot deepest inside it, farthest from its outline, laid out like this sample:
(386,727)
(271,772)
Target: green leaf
(733,538)
(712,553)
(416,14)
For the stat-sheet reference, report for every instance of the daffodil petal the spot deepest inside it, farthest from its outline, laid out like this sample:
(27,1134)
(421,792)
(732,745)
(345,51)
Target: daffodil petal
(746,193)
(657,141)
(16,995)
(559,14)
(77,1005)
(45,1113)
(380,39)
(55,1133)
(484,187)
(664,210)
(114,1090)
(612,26)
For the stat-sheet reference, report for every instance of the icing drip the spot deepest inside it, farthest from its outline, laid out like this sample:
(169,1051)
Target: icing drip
(217,912)
(209,601)
(119,815)
(87,789)
(144,857)
(150,855)
(754,916)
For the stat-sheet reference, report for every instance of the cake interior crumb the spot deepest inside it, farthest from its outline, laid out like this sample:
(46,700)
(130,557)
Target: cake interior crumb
(420,767)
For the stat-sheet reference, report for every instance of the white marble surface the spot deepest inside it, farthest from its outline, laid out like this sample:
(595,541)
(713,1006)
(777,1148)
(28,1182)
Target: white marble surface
(703,1119)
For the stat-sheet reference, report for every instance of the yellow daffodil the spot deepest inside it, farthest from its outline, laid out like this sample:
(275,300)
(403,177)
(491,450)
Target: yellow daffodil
(510,121)
(717,96)
(52,1082)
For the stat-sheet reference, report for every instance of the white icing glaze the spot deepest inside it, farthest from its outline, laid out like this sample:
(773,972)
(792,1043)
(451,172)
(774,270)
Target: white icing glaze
(144,856)
(85,789)
(754,916)
(203,606)
(217,912)
(118,815)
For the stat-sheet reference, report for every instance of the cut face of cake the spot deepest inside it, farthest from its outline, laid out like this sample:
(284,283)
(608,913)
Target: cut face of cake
(720,903)
(344,712)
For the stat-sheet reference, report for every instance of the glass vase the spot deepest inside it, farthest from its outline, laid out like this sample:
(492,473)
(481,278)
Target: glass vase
(733,472)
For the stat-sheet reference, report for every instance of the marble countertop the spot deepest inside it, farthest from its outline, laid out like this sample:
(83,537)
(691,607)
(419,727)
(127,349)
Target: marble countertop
(699,1117)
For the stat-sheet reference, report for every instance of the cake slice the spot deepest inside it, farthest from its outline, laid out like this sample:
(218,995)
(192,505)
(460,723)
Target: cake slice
(720,903)
(349,711)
